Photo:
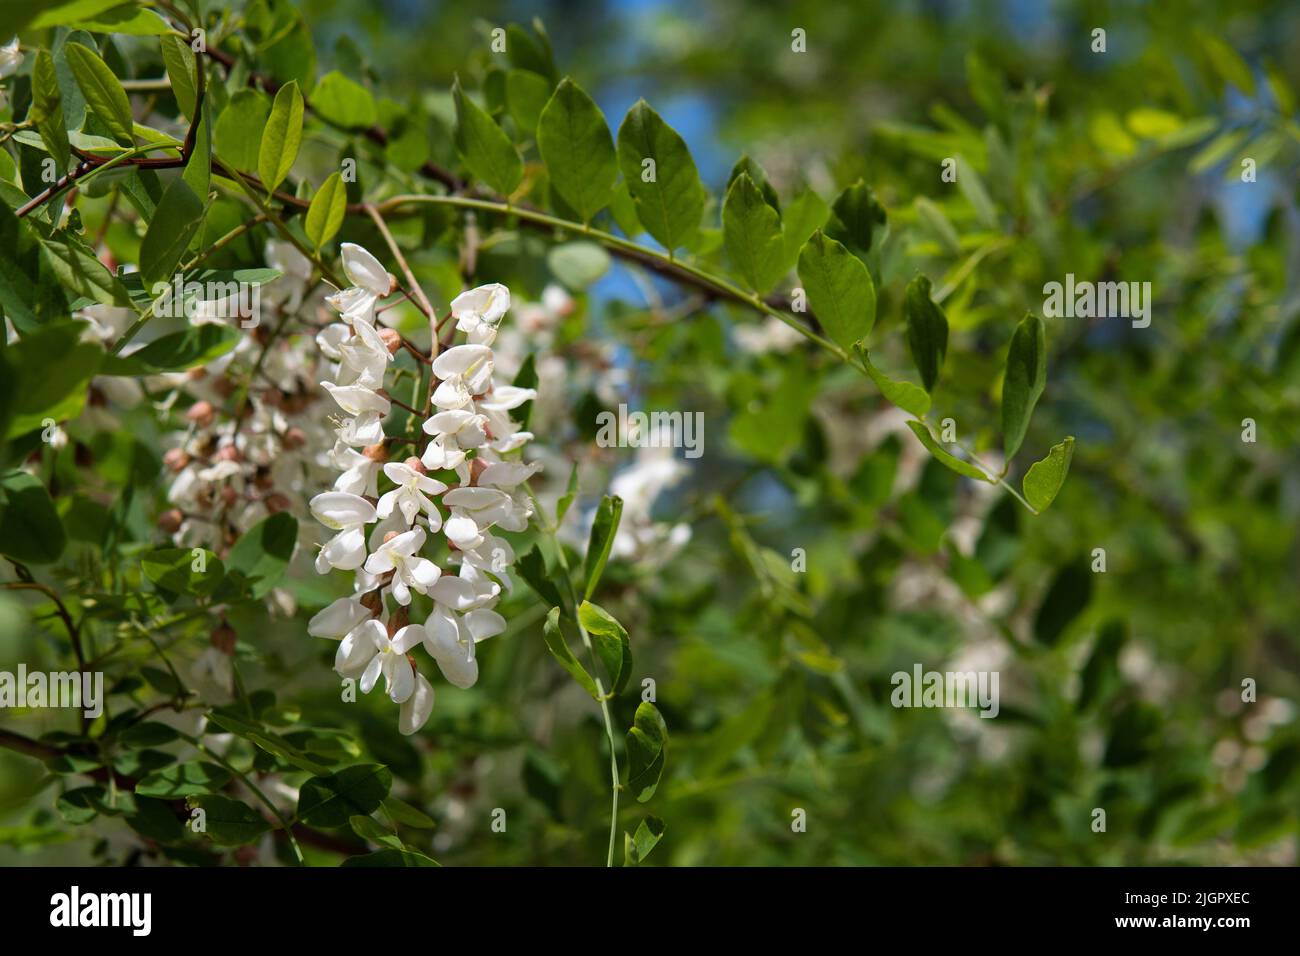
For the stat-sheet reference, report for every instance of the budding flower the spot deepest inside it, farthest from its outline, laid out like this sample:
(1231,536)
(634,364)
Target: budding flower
(276,502)
(375,452)
(201,414)
(176,459)
(223,638)
(170,521)
(229,453)
(415,464)
(392,339)
(293,438)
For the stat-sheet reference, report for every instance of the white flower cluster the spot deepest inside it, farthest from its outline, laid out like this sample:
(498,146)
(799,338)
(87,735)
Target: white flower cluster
(469,436)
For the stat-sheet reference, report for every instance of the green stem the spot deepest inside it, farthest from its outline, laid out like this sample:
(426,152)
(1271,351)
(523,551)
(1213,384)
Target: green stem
(714,284)
(591,654)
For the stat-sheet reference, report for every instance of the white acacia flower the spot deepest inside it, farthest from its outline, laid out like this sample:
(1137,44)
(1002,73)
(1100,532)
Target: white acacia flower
(453,433)
(415,710)
(493,556)
(360,472)
(348,515)
(369,652)
(11,58)
(363,358)
(411,496)
(464,371)
(496,407)
(467,591)
(479,311)
(357,399)
(450,640)
(339,619)
(483,507)
(370,283)
(400,555)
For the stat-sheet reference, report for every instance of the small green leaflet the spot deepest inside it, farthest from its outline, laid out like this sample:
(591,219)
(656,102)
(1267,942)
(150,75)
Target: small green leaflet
(927,331)
(636,847)
(177,218)
(558,645)
(661,177)
(646,741)
(751,232)
(603,531)
(839,289)
(102,90)
(47,109)
(611,643)
(964,468)
(910,398)
(325,215)
(578,150)
(484,145)
(1044,478)
(281,137)
(1026,376)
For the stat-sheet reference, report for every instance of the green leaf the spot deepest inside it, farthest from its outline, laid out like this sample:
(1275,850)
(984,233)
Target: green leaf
(229,822)
(578,264)
(802,216)
(281,138)
(603,531)
(83,273)
(263,552)
(636,847)
(855,214)
(81,804)
(328,207)
(1025,378)
(646,741)
(149,733)
(403,812)
(268,741)
(104,16)
(1069,594)
(47,109)
(559,647)
(30,293)
(751,231)
(610,642)
(532,568)
(177,351)
(570,493)
(103,92)
(1044,478)
(1228,63)
(178,59)
(931,218)
(53,369)
(176,570)
(177,219)
(661,177)
(910,398)
(745,166)
(927,331)
(484,145)
(368,829)
(330,800)
(576,146)
(30,529)
(965,468)
(527,94)
(343,102)
(239,128)
(184,780)
(839,289)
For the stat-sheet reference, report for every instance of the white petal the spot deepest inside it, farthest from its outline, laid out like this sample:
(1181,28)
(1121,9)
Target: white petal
(484,623)
(339,510)
(365,270)
(338,618)
(401,678)
(417,708)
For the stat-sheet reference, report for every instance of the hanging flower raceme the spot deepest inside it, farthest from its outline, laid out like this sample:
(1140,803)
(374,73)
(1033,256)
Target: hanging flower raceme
(440,505)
